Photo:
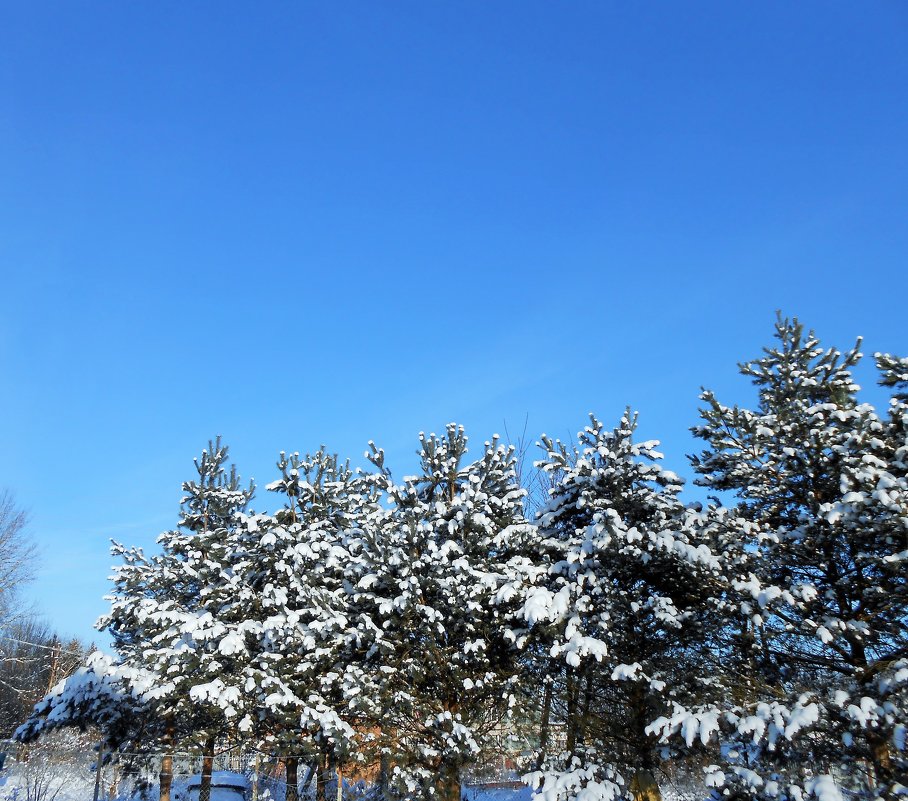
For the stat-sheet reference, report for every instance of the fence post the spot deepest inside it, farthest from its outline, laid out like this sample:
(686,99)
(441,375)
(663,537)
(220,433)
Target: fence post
(255,779)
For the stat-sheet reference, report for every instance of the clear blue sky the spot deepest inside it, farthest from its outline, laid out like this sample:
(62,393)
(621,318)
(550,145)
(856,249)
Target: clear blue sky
(300,223)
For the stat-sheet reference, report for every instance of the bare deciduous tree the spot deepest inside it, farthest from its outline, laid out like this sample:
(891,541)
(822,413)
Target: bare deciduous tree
(17,555)
(19,662)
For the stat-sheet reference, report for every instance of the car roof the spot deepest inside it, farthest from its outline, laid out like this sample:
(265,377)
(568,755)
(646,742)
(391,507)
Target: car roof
(222,778)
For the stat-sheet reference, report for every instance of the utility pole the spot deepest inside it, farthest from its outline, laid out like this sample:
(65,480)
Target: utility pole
(98,769)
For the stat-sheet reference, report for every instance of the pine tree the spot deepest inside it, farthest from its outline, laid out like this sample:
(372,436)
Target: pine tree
(438,667)
(818,579)
(99,694)
(143,587)
(295,609)
(622,592)
(168,611)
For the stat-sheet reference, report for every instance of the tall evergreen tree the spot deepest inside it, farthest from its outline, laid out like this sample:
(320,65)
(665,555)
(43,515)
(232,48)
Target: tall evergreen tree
(143,585)
(429,576)
(623,591)
(167,611)
(819,579)
(294,609)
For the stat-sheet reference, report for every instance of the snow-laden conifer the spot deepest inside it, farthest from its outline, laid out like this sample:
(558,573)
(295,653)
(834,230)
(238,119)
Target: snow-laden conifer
(294,610)
(100,694)
(819,580)
(168,611)
(623,592)
(428,577)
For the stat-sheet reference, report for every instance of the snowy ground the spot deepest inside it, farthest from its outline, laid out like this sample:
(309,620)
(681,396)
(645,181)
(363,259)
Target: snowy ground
(20,782)
(17,785)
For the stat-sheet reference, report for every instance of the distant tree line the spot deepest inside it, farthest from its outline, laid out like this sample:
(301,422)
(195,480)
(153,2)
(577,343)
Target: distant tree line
(33,657)
(757,642)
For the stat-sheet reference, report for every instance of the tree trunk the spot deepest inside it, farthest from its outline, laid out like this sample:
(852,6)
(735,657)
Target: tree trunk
(207,765)
(883,773)
(165,779)
(291,764)
(384,775)
(544,723)
(644,787)
(447,788)
(321,776)
(584,717)
(114,781)
(570,719)
(98,770)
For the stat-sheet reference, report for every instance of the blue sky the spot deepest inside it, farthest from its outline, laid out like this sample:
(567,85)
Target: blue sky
(298,223)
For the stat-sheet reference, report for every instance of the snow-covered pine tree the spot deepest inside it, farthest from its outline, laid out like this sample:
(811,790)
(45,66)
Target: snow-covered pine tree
(291,569)
(142,586)
(892,491)
(430,615)
(894,373)
(204,657)
(167,611)
(621,594)
(820,581)
(100,694)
